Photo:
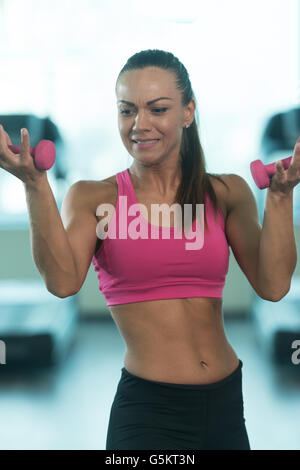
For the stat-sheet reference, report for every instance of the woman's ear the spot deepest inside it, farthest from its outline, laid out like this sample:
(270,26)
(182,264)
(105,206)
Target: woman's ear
(189,112)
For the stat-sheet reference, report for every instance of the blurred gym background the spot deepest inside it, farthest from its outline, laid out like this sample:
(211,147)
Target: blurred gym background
(60,359)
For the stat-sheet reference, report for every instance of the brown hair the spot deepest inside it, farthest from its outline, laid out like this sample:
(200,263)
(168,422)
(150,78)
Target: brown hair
(195,181)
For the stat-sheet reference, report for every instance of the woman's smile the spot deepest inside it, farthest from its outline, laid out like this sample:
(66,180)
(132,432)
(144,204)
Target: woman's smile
(147,144)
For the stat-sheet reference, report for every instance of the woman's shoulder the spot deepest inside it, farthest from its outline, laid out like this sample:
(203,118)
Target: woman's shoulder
(222,191)
(99,191)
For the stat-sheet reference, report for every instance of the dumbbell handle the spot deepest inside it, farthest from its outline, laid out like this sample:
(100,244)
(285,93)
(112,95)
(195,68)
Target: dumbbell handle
(43,154)
(262,174)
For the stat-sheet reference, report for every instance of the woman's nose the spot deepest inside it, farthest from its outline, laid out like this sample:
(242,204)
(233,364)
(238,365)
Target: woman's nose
(142,121)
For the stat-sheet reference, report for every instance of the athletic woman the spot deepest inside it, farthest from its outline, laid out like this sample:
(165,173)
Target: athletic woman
(181,384)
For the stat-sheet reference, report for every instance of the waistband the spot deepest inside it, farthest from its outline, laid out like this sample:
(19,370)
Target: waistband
(235,374)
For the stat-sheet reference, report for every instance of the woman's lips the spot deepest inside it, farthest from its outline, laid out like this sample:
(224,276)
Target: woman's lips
(146,144)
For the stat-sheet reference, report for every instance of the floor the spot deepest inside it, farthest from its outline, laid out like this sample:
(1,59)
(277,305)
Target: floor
(68,407)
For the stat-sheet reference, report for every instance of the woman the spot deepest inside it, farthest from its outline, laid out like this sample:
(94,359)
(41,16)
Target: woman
(181,384)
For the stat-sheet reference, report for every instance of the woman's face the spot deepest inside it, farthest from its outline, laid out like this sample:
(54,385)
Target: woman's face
(142,117)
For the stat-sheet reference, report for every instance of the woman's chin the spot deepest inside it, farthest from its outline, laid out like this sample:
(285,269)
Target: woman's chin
(147,158)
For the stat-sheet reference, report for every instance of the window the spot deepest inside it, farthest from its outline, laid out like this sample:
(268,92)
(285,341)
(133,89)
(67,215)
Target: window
(61,58)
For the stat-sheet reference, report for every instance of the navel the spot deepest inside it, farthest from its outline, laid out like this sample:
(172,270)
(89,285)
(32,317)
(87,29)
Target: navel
(204,364)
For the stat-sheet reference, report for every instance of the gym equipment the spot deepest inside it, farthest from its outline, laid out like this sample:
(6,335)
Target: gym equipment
(262,174)
(37,328)
(277,326)
(43,154)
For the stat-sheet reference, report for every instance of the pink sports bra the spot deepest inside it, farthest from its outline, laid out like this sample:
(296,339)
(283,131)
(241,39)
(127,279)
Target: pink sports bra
(140,269)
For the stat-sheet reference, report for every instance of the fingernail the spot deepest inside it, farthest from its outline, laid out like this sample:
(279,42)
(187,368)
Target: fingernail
(24,131)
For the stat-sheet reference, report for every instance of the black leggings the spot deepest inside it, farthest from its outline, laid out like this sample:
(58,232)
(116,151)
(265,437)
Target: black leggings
(146,414)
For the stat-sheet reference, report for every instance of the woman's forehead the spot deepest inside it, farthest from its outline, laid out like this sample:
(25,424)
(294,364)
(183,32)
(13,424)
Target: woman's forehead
(146,84)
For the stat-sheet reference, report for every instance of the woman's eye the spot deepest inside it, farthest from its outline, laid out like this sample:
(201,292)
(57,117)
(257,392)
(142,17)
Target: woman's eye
(157,111)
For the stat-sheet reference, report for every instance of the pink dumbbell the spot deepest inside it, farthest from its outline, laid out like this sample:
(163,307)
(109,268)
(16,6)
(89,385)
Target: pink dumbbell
(262,174)
(43,154)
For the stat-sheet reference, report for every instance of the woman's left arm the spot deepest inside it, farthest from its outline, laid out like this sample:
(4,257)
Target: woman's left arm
(277,249)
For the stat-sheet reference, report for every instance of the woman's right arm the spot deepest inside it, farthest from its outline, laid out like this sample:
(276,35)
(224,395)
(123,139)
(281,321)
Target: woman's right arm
(62,246)
(51,248)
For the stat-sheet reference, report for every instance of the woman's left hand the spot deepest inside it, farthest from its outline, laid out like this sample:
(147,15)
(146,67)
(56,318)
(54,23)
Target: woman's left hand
(283,180)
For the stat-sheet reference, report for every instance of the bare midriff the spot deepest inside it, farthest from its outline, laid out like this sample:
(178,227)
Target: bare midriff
(176,340)
(179,340)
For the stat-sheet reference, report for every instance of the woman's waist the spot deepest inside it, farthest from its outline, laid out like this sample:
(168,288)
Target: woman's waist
(182,364)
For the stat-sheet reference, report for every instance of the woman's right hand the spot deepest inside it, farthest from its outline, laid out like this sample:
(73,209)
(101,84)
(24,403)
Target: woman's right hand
(22,164)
